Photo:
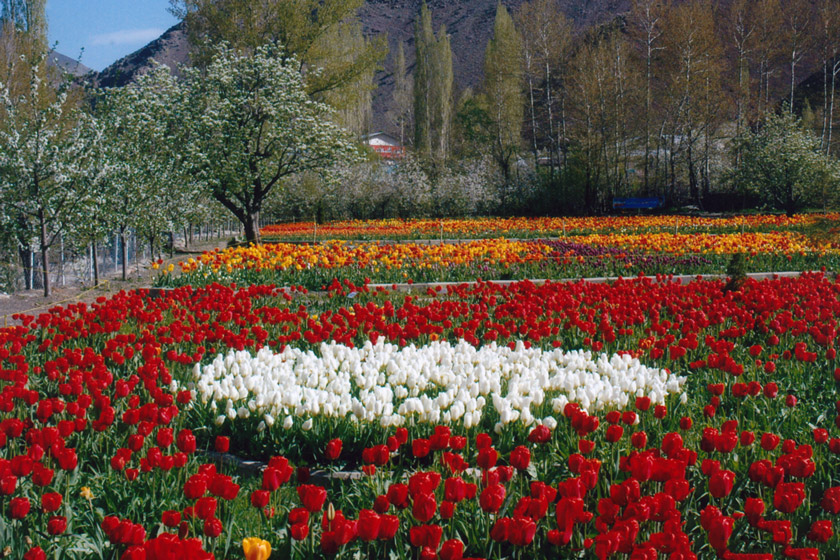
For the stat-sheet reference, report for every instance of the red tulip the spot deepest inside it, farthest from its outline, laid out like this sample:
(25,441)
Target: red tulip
(420,447)
(368,526)
(520,458)
(51,501)
(398,495)
(388,526)
(424,507)
(171,518)
(221,444)
(492,498)
(56,525)
(18,508)
(820,531)
(212,527)
(452,549)
(35,553)
(312,497)
(721,482)
(614,433)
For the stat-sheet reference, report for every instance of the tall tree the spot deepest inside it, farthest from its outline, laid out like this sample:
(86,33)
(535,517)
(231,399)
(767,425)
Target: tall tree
(443,82)
(45,144)
(695,54)
(828,12)
(797,37)
(646,19)
(247,123)
(424,40)
(433,83)
(503,86)
(29,16)
(606,92)
(739,28)
(767,15)
(401,111)
(546,47)
(306,29)
(353,100)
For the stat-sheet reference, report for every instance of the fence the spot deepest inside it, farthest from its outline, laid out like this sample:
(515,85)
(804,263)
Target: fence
(74,267)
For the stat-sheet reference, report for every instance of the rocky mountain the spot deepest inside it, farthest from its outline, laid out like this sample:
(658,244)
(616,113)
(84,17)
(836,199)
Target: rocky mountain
(469,23)
(67,65)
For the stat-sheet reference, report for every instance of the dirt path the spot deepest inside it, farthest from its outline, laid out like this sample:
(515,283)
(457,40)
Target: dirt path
(33,302)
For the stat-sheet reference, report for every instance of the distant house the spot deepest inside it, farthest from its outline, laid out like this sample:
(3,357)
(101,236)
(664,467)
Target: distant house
(388,147)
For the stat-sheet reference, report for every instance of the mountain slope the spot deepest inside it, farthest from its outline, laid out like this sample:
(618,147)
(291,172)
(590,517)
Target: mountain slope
(468,22)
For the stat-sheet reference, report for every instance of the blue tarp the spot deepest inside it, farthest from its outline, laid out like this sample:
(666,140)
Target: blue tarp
(633,203)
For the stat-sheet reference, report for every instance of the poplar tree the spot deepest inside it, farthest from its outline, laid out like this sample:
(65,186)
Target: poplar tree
(503,85)
(424,38)
(305,29)
(442,84)
(401,110)
(433,83)
(28,16)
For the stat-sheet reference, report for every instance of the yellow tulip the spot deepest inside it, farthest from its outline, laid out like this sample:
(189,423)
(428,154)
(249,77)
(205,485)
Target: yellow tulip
(256,549)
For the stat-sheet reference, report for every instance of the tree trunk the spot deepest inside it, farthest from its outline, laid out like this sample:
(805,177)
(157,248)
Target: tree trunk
(533,120)
(124,253)
(834,72)
(95,259)
(25,257)
(45,261)
(252,227)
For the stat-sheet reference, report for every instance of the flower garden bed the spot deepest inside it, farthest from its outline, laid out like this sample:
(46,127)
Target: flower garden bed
(315,266)
(482,228)
(106,405)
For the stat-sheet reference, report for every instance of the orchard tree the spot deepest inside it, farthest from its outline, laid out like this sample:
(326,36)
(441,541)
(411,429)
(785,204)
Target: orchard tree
(150,189)
(45,143)
(247,123)
(785,165)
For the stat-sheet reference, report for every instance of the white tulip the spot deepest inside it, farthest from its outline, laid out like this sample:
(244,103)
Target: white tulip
(439,382)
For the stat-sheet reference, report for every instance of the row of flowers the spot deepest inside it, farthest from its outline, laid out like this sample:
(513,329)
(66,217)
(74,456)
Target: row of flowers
(457,384)
(531,227)
(100,428)
(314,265)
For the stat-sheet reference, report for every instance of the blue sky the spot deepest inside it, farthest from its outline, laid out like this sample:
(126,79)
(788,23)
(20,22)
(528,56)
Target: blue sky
(106,29)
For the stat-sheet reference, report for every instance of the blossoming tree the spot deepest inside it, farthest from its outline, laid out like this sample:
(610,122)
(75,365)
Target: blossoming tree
(247,123)
(46,142)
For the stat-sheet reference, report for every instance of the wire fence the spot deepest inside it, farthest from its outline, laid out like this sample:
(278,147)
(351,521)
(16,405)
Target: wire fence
(71,266)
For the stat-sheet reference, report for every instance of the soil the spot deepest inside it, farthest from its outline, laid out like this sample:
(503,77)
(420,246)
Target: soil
(33,302)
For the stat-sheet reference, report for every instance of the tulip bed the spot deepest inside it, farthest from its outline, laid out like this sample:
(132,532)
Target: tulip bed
(479,228)
(633,419)
(315,266)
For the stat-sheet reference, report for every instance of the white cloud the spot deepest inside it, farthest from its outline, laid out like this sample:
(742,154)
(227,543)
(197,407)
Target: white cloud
(126,37)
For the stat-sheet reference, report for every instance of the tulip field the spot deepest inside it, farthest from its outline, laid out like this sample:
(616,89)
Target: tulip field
(513,248)
(274,403)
